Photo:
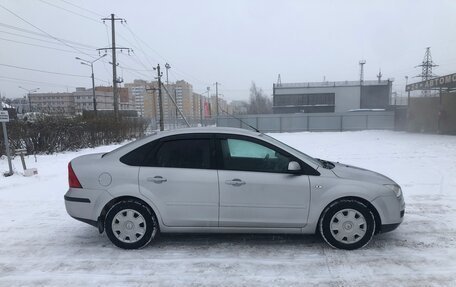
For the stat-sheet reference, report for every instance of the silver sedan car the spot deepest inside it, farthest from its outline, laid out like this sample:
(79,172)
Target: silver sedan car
(227,180)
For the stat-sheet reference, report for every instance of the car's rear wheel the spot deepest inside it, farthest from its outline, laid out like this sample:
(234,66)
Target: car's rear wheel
(347,224)
(131,224)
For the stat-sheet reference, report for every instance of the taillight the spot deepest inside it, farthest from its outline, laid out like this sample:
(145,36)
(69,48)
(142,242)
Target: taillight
(72,179)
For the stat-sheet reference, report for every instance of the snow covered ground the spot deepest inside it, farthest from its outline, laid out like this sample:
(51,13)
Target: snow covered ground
(41,245)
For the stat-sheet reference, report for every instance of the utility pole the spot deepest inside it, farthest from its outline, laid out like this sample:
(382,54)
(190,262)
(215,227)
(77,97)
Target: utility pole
(176,116)
(114,67)
(160,100)
(408,92)
(167,66)
(361,81)
(201,109)
(114,49)
(90,63)
(216,103)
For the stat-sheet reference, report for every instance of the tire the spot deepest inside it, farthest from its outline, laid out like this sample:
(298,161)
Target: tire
(347,224)
(130,224)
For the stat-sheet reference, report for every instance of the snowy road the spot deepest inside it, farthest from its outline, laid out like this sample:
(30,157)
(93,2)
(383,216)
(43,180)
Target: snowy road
(42,246)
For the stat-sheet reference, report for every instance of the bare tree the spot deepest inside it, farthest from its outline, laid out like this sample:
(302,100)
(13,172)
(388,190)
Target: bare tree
(259,102)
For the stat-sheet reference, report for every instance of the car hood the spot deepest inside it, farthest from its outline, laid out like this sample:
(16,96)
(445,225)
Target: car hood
(360,174)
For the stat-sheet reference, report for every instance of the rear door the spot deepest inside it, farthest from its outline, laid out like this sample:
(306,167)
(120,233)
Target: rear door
(256,189)
(181,179)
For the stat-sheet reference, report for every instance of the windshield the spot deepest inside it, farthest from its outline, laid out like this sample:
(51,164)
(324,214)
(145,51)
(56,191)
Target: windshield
(283,145)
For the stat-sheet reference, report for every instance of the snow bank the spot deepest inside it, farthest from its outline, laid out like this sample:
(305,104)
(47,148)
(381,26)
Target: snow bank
(42,245)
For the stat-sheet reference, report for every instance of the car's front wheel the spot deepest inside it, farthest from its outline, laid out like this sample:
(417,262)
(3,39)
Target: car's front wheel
(347,224)
(131,224)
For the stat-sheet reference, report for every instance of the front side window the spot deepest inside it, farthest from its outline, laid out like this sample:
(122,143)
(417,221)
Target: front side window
(246,149)
(184,153)
(247,155)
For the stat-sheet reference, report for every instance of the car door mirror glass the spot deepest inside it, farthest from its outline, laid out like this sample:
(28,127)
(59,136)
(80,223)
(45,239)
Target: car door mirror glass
(294,166)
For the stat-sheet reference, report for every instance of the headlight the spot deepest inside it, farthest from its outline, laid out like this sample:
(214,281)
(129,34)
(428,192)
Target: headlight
(396,188)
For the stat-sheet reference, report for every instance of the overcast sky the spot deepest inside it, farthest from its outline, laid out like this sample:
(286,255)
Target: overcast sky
(232,42)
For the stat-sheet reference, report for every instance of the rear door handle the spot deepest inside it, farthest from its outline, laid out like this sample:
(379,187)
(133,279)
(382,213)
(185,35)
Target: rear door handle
(235,182)
(157,179)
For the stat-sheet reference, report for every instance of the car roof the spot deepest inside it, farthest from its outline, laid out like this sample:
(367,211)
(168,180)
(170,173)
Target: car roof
(199,130)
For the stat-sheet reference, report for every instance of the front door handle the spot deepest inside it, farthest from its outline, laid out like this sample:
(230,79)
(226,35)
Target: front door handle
(157,179)
(235,182)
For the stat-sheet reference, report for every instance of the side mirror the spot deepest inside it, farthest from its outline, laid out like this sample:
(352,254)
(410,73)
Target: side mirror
(294,166)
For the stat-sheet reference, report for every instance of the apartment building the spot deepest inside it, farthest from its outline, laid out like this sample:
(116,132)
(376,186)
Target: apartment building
(83,100)
(80,100)
(181,93)
(52,103)
(138,91)
(222,106)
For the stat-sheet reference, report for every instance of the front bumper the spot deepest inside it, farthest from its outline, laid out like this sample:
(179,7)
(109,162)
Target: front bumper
(391,211)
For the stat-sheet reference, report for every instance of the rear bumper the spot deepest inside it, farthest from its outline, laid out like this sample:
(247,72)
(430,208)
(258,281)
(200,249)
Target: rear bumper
(88,221)
(86,205)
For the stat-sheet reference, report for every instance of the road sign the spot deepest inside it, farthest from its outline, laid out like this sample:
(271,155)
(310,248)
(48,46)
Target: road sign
(4,117)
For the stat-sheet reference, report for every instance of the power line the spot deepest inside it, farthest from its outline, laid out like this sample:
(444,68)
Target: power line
(37,39)
(136,58)
(141,75)
(82,8)
(43,71)
(41,46)
(70,11)
(145,66)
(140,48)
(36,82)
(44,36)
(163,58)
(49,72)
(63,42)
(128,69)
(107,34)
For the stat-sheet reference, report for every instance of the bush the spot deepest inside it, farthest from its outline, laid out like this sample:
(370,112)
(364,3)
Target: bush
(56,134)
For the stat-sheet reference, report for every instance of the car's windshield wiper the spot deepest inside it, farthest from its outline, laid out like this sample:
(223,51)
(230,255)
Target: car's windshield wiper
(326,164)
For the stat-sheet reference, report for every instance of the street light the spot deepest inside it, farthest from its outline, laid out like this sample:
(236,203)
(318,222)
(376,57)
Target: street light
(90,63)
(167,66)
(29,91)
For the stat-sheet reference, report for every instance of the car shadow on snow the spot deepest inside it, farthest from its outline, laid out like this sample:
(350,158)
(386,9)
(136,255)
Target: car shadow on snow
(88,236)
(206,239)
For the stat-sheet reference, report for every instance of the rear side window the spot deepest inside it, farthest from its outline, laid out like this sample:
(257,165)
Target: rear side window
(139,156)
(184,153)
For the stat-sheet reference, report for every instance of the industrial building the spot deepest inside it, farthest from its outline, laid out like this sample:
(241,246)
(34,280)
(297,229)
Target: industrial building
(331,97)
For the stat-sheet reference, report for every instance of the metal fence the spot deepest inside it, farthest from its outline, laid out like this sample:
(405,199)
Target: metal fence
(313,122)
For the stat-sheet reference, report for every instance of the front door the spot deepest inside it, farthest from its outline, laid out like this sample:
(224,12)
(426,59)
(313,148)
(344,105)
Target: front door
(256,189)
